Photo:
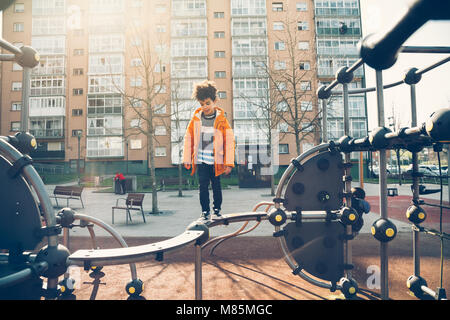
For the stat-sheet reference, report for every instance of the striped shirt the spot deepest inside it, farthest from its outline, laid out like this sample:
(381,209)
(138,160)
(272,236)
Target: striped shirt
(205,150)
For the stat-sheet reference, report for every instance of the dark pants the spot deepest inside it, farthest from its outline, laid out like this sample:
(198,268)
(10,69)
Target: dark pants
(206,174)
(122,184)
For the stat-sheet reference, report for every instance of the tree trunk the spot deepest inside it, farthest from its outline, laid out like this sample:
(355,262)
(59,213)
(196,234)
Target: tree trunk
(153,175)
(180,179)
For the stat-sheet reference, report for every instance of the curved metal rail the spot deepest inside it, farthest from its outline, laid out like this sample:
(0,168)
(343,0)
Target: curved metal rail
(110,230)
(104,257)
(239,232)
(33,179)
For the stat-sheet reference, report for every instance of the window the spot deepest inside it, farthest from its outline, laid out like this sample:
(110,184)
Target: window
(78,92)
(282,106)
(48,7)
(186,47)
(189,28)
(301,6)
(78,71)
(136,82)
(136,42)
(78,52)
(160,109)
(16,106)
(135,103)
(135,123)
(160,68)
(106,84)
(160,152)
(77,133)
(278,26)
(106,64)
(16,67)
(281,86)
(18,27)
(303,45)
(47,85)
(222,94)
(219,34)
(305,65)
(307,126)
(49,45)
(105,104)
(15,126)
(136,62)
(137,4)
(306,105)
(283,148)
(160,131)
(160,88)
(161,28)
(283,127)
(220,74)
(277,6)
(302,26)
(48,25)
(50,65)
(16,86)
(106,43)
(306,146)
(279,45)
(19,7)
(219,54)
(219,15)
(160,8)
(135,144)
(305,85)
(77,112)
(279,65)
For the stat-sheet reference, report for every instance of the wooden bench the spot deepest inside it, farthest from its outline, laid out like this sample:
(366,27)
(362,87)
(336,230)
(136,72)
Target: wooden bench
(68,192)
(133,201)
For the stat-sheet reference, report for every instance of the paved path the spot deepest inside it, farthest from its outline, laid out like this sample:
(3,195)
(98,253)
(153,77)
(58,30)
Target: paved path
(178,213)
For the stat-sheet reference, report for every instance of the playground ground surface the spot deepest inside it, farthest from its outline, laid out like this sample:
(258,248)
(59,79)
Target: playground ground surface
(253,268)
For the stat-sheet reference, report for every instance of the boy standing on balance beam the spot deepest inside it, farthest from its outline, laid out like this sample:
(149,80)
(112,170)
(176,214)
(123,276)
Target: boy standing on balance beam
(209,146)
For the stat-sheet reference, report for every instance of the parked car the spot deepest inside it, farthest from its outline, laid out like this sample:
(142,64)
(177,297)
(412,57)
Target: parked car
(425,169)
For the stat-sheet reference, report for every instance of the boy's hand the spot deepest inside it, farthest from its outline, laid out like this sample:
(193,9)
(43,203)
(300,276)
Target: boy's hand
(187,166)
(227,170)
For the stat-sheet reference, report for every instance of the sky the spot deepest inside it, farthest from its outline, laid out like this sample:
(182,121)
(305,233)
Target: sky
(433,91)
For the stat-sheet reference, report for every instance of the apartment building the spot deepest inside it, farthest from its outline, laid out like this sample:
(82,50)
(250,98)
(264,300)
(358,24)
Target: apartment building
(112,71)
(338,31)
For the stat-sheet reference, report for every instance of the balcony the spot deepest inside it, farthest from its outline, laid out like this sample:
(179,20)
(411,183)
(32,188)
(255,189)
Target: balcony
(48,155)
(47,133)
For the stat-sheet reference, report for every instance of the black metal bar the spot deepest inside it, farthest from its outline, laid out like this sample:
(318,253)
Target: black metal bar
(380,50)
(420,49)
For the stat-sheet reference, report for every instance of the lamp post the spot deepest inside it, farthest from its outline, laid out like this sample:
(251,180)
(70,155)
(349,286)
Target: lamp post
(79,134)
(126,146)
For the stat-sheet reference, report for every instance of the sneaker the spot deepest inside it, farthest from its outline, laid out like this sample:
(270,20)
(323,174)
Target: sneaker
(217,213)
(205,215)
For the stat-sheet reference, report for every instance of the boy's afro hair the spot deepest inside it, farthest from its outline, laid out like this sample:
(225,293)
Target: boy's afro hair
(205,89)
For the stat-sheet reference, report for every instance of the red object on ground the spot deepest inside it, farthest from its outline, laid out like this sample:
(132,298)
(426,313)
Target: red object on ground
(119,176)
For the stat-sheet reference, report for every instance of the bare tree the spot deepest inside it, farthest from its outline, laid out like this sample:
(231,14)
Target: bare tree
(290,79)
(178,125)
(147,98)
(263,109)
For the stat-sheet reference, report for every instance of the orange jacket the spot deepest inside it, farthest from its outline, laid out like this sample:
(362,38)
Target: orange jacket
(223,142)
